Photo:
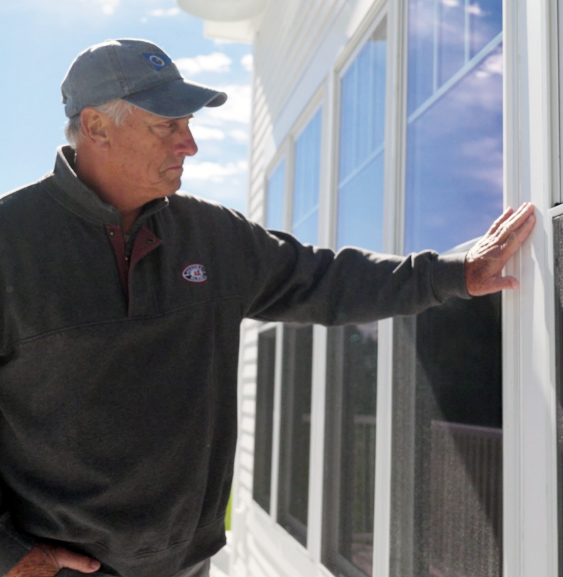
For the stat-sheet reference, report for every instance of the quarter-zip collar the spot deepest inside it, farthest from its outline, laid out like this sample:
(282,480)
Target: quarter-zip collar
(75,196)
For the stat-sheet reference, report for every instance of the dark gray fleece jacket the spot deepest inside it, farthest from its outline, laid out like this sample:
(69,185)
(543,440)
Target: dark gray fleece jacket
(118,361)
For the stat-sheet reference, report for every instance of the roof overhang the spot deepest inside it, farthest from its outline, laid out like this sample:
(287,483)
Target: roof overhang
(233,20)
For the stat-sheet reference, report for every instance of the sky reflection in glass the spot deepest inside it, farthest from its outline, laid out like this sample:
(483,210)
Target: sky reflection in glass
(362,135)
(454,136)
(274,206)
(305,224)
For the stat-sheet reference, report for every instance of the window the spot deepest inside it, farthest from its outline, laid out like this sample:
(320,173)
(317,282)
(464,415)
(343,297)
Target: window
(265,378)
(275,198)
(293,502)
(305,223)
(265,382)
(454,134)
(352,350)
(447,414)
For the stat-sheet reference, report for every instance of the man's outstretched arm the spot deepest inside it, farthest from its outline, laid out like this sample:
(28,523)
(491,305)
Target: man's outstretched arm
(484,261)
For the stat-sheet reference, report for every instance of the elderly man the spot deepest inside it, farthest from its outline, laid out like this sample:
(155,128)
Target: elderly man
(120,306)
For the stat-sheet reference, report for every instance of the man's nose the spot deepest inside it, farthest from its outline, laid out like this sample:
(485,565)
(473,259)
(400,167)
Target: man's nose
(186,144)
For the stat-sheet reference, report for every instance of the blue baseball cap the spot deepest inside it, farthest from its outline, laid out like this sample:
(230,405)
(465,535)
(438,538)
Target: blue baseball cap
(138,72)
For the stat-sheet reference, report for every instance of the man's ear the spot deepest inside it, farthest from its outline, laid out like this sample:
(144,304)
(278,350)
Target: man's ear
(94,126)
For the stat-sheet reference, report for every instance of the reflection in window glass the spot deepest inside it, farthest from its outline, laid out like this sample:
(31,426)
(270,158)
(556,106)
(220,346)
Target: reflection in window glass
(447,441)
(295,430)
(362,135)
(447,413)
(298,347)
(352,350)
(454,139)
(264,418)
(305,223)
(275,198)
(350,449)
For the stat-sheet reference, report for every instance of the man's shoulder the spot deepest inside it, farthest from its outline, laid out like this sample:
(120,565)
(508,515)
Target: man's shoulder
(22,195)
(212,218)
(185,203)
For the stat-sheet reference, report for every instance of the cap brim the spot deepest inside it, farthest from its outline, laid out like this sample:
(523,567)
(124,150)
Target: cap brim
(176,98)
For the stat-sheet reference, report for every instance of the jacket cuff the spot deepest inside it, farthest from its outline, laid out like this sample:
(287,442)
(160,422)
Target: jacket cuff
(448,276)
(14,545)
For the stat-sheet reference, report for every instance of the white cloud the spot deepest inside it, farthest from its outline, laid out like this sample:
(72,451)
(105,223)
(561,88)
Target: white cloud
(450,3)
(213,171)
(108,6)
(493,64)
(247,62)
(159,12)
(144,19)
(215,62)
(239,135)
(475,9)
(236,109)
(206,133)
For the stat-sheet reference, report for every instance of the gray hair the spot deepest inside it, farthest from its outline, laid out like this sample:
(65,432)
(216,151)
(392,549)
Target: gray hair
(117,110)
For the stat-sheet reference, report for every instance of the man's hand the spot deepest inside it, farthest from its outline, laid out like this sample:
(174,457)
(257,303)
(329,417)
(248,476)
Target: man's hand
(47,560)
(485,261)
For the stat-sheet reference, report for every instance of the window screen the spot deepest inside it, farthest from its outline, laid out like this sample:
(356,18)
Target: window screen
(265,382)
(447,442)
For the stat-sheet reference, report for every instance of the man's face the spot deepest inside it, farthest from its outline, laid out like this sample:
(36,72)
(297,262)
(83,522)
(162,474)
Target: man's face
(148,152)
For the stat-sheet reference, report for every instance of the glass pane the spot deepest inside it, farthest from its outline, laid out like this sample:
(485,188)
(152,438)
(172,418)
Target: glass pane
(264,418)
(447,456)
(275,202)
(421,53)
(296,429)
(352,351)
(485,23)
(454,161)
(360,208)
(362,136)
(306,182)
(350,451)
(451,40)
(362,117)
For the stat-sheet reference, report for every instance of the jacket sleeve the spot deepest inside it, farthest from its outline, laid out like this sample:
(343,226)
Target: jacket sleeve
(14,545)
(287,281)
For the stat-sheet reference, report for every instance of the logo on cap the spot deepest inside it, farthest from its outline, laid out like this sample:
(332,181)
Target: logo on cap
(158,61)
(194,273)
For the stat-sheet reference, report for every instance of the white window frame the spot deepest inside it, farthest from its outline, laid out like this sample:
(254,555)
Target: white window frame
(532,173)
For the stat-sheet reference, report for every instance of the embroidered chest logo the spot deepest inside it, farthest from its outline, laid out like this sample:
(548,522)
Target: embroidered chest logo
(194,273)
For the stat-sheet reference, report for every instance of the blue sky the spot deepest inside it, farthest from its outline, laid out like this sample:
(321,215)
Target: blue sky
(40,38)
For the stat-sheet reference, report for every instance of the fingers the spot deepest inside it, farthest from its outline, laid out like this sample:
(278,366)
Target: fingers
(510,223)
(497,284)
(502,218)
(485,261)
(71,560)
(518,236)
